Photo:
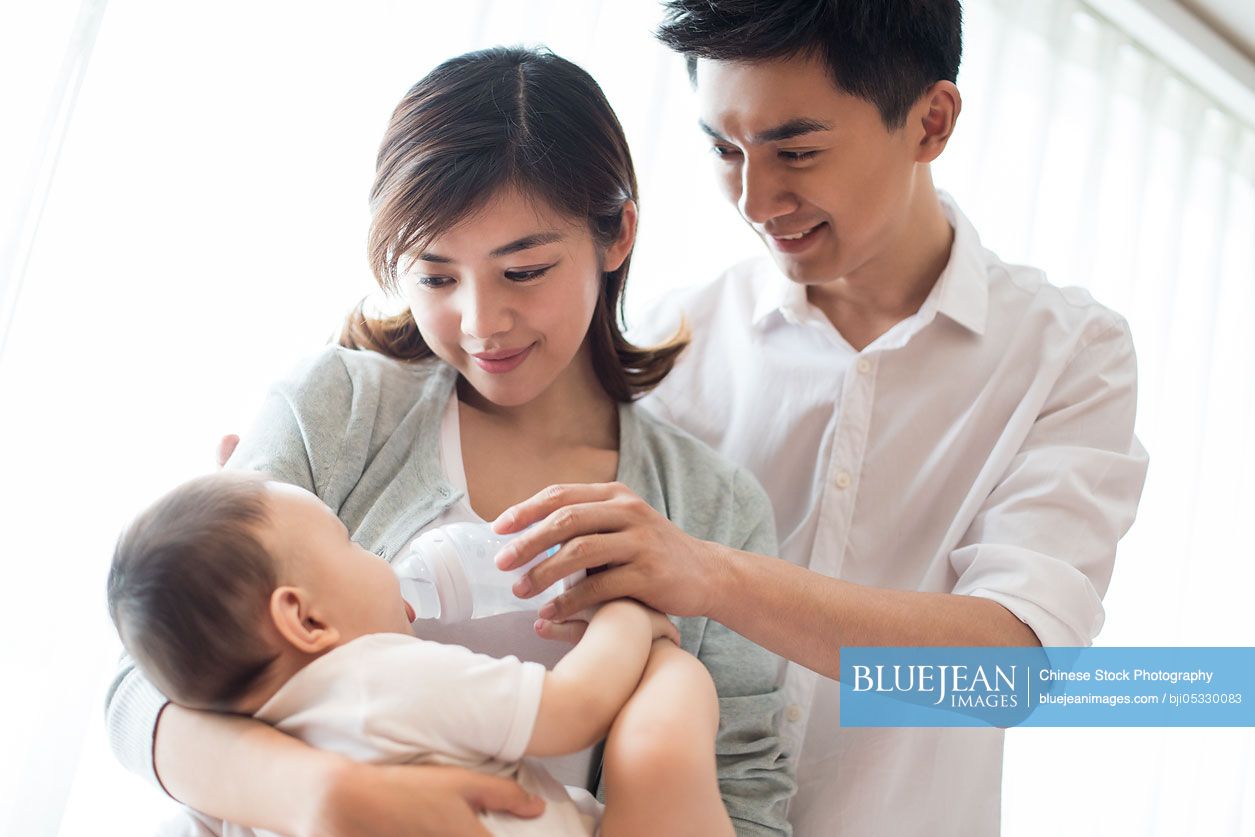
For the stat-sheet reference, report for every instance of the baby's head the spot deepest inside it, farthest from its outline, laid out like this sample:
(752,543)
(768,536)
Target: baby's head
(230,583)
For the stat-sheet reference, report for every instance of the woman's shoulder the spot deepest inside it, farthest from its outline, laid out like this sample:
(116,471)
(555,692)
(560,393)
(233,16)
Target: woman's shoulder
(336,365)
(672,446)
(696,486)
(338,374)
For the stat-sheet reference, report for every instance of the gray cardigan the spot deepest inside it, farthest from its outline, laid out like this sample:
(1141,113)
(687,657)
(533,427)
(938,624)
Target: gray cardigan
(362,432)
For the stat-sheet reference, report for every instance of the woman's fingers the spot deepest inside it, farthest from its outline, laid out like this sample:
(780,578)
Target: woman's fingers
(226,447)
(495,793)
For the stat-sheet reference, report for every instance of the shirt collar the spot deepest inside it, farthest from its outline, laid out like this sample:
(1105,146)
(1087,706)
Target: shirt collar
(780,295)
(963,287)
(961,292)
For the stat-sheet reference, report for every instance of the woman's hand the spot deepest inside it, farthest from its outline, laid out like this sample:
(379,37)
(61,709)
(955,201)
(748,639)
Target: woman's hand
(648,558)
(226,447)
(238,769)
(365,800)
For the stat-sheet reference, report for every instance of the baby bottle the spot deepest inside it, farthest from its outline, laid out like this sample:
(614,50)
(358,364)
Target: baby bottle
(448,574)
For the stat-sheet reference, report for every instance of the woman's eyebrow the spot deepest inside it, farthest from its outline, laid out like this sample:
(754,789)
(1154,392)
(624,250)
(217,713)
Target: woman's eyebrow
(527,242)
(524,243)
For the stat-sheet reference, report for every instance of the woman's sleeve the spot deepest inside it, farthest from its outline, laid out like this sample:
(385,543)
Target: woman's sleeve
(297,438)
(754,777)
(301,432)
(132,707)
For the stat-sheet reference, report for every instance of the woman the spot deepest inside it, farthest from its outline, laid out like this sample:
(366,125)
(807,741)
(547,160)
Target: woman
(503,212)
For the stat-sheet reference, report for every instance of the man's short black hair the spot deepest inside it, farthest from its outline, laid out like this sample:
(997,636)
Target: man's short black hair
(887,52)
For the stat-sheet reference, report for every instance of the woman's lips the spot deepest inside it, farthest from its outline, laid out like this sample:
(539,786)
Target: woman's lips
(409,611)
(502,361)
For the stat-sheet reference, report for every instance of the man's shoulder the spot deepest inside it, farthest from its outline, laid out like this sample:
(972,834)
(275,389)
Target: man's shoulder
(1026,296)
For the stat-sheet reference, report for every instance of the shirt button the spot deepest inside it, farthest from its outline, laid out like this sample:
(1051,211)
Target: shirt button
(843,480)
(864,365)
(793,713)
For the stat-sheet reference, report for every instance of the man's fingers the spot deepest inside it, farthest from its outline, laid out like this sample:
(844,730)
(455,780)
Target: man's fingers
(564,524)
(594,590)
(581,553)
(496,793)
(545,502)
(226,447)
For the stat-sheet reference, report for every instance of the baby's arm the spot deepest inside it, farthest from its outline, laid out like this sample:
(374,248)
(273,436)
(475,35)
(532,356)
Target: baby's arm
(588,687)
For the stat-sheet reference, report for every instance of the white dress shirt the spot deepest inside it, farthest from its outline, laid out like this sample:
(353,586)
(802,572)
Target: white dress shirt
(983,446)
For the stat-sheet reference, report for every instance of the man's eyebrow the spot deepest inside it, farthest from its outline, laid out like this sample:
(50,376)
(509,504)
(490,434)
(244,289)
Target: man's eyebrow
(524,243)
(785,130)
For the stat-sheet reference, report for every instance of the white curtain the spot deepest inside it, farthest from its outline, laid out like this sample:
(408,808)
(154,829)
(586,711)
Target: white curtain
(205,229)
(1080,153)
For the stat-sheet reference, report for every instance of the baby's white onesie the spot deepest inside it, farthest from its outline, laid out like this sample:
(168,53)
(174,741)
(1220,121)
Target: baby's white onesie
(397,699)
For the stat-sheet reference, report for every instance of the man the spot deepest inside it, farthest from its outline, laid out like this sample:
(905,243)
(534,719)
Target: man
(947,440)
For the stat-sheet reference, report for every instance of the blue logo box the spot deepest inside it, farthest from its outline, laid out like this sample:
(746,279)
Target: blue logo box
(1047,687)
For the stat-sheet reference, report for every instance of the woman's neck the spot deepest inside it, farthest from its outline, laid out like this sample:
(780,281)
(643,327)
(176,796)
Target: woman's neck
(567,434)
(573,411)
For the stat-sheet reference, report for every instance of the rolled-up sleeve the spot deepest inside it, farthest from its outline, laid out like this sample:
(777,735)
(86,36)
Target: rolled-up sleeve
(1043,544)
(132,707)
(754,775)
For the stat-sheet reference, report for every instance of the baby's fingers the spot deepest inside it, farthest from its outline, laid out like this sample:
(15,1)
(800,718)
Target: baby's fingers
(571,631)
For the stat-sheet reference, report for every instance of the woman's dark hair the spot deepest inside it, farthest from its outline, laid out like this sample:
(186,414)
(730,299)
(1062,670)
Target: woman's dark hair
(505,118)
(887,52)
(189,589)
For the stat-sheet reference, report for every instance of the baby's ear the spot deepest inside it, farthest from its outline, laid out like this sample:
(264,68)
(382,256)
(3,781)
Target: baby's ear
(299,623)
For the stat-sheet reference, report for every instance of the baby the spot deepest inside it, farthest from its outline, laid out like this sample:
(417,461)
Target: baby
(237,594)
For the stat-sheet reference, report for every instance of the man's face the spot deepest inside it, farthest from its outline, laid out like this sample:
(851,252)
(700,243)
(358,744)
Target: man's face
(812,169)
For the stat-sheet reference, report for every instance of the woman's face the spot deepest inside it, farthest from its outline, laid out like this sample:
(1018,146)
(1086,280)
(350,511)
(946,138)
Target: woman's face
(506,296)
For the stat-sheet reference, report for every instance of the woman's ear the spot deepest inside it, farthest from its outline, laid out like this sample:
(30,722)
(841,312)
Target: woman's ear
(619,249)
(299,623)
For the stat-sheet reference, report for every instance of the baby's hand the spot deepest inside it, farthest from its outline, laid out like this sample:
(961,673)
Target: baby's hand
(568,630)
(660,626)
(663,627)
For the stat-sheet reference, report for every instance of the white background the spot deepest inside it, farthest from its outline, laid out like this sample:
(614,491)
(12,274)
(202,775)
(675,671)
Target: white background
(205,229)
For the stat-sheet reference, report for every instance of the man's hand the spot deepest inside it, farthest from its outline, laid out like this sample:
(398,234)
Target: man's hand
(365,800)
(226,447)
(647,557)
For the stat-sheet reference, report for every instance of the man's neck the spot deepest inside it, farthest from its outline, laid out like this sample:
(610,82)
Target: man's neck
(869,301)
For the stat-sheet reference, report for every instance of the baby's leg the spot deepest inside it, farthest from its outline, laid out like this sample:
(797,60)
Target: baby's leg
(660,753)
